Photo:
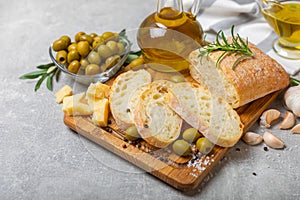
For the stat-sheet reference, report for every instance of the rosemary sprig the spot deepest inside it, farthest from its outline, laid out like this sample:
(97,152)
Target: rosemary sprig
(237,46)
(294,82)
(46,71)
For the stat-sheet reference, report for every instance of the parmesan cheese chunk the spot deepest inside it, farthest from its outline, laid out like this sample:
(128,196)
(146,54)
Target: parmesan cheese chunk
(62,93)
(76,105)
(100,114)
(95,92)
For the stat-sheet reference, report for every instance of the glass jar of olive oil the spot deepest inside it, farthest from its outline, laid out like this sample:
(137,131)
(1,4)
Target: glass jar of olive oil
(168,36)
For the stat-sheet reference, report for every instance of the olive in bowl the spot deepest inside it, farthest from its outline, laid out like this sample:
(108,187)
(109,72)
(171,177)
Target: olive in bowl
(91,57)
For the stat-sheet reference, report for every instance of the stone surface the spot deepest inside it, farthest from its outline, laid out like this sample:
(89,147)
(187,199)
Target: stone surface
(42,159)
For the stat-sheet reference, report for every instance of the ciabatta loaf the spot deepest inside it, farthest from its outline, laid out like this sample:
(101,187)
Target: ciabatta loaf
(250,79)
(207,112)
(156,122)
(122,89)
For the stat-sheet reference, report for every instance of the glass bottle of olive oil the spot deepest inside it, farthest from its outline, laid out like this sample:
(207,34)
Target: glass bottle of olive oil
(167,36)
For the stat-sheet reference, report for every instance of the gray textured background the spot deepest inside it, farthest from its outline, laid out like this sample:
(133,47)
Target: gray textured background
(42,159)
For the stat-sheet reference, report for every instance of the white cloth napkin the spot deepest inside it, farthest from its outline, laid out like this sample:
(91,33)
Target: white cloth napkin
(216,15)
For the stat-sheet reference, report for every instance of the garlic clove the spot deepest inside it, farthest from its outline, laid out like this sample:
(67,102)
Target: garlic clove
(252,138)
(292,99)
(296,129)
(268,117)
(273,141)
(288,121)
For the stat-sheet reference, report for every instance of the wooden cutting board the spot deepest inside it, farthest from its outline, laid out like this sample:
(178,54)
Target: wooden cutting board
(183,173)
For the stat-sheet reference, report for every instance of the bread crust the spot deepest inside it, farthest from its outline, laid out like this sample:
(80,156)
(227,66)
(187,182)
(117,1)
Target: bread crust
(252,78)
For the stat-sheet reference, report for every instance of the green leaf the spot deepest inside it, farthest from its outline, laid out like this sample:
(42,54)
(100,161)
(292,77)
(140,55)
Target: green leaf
(49,82)
(45,66)
(57,74)
(51,69)
(123,33)
(33,75)
(38,84)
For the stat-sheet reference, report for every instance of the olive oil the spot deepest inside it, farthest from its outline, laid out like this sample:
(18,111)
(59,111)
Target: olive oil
(285,20)
(167,37)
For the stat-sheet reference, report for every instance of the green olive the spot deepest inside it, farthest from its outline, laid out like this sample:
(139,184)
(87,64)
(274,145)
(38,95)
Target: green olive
(72,46)
(132,133)
(96,43)
(83,63)
(61,57)
(104,51)
(204,145)
(66,38)
(111,61)
(181,148)
(136,63)
(74,66)
(113,47)
(120,48)
(83,48)
(191,135)
(107,35)
(73,55)
(59,45)
(78,35)
(87,38)
(103,67)
(99,39)
(93,35)
(94,58)
(177,78)
(92,69)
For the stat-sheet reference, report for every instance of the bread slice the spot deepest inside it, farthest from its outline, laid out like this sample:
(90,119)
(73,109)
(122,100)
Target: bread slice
(156,122)
(249,80)
(122,89)
(207,112)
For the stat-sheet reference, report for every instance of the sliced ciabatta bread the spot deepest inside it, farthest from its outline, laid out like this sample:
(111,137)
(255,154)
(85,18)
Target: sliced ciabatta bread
(156,122)
(250,79)
(122,89)
(134,99)
(207,112)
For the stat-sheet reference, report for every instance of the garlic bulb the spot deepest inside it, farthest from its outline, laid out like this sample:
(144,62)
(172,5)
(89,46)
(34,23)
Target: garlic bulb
(292,99)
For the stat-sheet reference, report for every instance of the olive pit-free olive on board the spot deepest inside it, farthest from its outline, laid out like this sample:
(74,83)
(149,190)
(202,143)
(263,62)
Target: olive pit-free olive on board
(191,135)
(204,145)
(132,133)
(181,147)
